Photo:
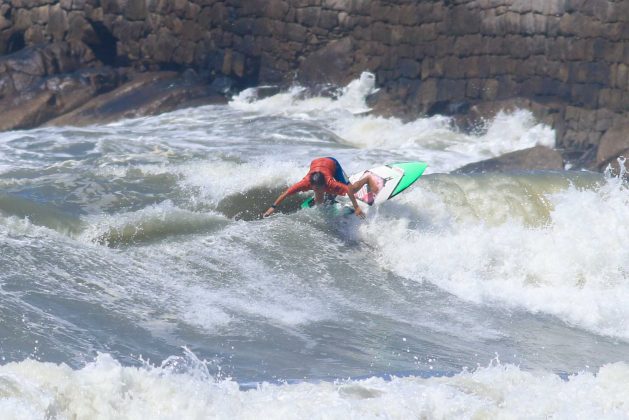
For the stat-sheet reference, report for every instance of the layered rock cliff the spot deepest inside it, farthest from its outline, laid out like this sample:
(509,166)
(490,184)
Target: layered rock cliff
(568,60)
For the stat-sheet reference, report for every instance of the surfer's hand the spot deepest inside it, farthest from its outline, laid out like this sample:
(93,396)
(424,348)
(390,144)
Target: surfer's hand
(268,212)
(359,212)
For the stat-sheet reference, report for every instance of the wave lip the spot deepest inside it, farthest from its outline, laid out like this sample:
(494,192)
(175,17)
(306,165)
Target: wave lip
(149,225)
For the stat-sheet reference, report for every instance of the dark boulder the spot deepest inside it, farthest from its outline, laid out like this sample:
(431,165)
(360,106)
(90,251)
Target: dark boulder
(535,158)
(26,66)
(24,112)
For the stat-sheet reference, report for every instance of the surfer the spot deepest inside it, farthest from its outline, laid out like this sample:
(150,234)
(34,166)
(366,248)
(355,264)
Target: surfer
(326,176)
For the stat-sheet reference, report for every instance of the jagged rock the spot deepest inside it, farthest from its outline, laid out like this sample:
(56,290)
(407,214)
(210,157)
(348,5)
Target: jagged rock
(145,94)
(54,96)
(6,83)
(387,104)
(535,158)
(29,61)
(25,70)
(614,143)
(25,113)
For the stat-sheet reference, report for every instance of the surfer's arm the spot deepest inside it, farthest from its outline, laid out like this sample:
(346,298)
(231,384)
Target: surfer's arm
(294,189)
(337,188)
(276,203)
(357,210)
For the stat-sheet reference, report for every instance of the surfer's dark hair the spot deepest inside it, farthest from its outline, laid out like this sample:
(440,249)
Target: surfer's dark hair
(317,179)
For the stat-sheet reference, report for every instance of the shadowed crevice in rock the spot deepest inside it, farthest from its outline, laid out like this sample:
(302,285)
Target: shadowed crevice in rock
(104,46)
(251,76)
(38,83)
(15,42)
(168,67)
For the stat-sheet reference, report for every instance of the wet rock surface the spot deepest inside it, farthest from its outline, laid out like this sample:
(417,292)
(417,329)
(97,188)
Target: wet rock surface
(537,158)
(39,83)
(145,94)
(614,146)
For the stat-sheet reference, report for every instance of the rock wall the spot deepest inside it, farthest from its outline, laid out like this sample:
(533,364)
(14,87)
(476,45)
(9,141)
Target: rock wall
(569,58)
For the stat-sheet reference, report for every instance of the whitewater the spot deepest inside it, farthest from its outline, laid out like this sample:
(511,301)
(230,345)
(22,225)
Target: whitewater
(138,280)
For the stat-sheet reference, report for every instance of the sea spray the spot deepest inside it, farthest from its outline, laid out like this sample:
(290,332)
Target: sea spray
(434,139)
(562,252)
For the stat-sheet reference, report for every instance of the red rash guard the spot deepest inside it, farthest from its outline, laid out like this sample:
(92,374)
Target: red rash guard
(327,167)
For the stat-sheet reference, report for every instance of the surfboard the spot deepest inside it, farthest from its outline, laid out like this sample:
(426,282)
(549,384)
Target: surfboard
(392,179)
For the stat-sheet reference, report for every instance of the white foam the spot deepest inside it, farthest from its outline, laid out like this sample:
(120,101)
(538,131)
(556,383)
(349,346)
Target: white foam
(516,130)
(572,263)
(152,222)
(432,139)
(104,389)
(437,141)
(217,180)
(296,101)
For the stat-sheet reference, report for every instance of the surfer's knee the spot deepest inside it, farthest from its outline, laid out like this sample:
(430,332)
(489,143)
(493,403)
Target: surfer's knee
(359,184)
(373,184)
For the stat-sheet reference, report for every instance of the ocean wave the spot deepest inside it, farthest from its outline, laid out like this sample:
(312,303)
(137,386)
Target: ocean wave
(105,389)
(537,242)
(150,224)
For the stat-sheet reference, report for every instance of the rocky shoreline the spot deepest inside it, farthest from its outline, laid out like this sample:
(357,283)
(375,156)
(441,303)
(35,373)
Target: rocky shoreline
(77,62)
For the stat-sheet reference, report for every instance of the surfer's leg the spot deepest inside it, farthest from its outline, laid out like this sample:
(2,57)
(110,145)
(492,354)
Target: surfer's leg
(368,179)
(374,185)
(372,189)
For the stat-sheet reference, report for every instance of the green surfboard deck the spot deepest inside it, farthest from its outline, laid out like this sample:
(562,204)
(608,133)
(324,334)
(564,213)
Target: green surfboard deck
(308,203)
(412,172)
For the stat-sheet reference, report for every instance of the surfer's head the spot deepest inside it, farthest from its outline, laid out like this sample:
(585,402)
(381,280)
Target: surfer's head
(317,179)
